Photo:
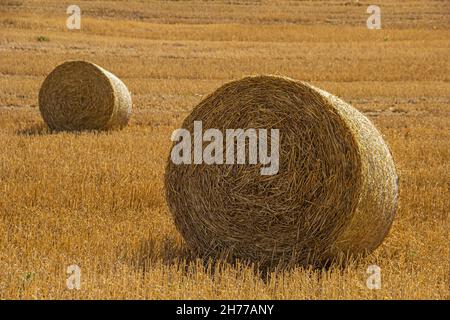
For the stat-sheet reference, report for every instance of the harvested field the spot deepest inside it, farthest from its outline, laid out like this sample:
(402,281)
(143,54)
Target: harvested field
(96,200)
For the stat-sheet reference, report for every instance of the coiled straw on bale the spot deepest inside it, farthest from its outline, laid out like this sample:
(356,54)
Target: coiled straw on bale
(335,193)
(79,95)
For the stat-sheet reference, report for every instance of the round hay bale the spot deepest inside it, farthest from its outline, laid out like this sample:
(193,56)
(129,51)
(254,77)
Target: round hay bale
(79,95)
(335,193)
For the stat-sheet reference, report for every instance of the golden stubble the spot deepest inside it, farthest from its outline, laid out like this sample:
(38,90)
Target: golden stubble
(97,199)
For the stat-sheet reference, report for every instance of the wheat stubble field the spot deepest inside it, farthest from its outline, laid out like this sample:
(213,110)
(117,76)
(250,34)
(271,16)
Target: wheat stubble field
(97,199)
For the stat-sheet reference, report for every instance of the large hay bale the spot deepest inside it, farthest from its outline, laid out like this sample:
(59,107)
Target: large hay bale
(79,95)
(335,193)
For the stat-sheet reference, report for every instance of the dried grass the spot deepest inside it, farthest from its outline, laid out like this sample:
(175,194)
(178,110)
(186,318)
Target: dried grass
(79,95)
(335,193)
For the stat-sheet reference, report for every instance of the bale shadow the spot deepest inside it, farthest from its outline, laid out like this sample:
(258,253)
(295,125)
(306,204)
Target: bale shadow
(169,253)
(38,129)
(41,129)
(149,253)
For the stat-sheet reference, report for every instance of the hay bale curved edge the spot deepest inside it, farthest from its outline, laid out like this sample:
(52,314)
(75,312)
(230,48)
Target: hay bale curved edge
(80,95)
(335,192)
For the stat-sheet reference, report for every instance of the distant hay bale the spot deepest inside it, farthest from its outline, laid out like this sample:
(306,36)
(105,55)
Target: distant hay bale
(335,193)
(79,95)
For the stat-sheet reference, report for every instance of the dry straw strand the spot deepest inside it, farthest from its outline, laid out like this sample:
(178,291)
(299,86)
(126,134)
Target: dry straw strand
(335,193)
(80,95)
